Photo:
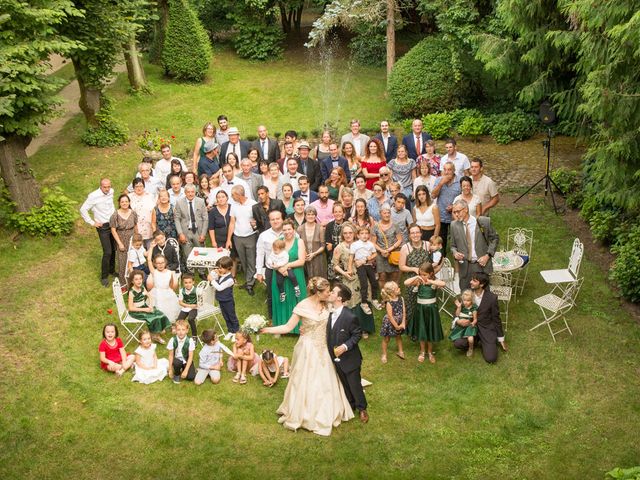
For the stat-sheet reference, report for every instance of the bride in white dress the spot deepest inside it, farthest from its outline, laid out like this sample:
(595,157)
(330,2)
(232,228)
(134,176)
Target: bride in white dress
(162,284)
(314,398)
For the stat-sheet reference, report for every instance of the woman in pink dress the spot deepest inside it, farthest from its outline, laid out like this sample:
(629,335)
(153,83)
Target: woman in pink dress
(373,161)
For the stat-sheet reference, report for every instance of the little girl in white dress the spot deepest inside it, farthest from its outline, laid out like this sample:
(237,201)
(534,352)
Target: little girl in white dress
(149,368)
(162,284)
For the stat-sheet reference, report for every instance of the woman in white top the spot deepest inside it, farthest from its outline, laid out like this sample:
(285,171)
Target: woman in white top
(473,200)
(425,178)
(426,214)
(273,182)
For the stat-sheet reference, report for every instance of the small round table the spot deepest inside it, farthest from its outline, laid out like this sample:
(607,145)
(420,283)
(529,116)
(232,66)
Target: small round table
(507,261)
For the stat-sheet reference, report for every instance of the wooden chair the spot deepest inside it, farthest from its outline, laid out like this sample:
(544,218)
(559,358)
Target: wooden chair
(569,275)
(557,303)
(520,241)
(130,324)
(207,305)
(501,285)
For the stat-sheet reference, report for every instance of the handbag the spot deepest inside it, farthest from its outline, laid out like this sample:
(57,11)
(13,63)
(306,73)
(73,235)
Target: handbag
(394,257)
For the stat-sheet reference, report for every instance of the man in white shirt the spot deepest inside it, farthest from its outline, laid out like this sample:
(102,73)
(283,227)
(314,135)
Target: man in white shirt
(460,160)
(100,203)
(152,185)
(484,187)
(291,177)
(163,166)
(176,192)
(227,182)
(242,235)
(268,148)
(263,249)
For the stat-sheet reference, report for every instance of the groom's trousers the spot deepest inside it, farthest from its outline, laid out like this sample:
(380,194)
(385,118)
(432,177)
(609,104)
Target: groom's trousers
(351,381)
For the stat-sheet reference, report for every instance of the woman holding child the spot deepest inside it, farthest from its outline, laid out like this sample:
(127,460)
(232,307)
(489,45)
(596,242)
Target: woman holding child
(412,255)
(281,310)
(314,398)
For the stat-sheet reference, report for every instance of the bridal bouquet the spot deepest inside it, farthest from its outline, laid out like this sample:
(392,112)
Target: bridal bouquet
(253,323)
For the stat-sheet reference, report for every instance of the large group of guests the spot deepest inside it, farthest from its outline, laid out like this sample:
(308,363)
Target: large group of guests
(361,212)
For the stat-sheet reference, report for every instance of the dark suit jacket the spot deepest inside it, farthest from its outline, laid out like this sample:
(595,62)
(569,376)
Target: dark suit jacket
(313,173)
(327,165)
(273,149)
(244,150)
(262,217)
(346,331)
(489,313)
(485,243)
(408,141)
(392,147)
(313,196)
(283,167)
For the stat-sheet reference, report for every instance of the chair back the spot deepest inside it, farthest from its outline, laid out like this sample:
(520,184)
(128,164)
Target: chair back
(119,299)
(447,275)
(206,298)
(173,243)
(500,284)
(520,240)
(571,292)
(576,257)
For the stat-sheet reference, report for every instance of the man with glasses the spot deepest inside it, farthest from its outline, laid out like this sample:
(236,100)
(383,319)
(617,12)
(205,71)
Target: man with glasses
(152,185)
(474,241)
(444,192)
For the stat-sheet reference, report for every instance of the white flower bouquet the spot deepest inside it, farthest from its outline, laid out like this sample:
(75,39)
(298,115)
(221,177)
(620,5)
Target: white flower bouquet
(253,323)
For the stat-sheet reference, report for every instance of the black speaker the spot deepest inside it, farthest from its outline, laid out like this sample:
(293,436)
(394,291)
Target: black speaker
(547,115)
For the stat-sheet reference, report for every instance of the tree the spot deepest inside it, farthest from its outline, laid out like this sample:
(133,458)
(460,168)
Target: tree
(291,15)
(30,33)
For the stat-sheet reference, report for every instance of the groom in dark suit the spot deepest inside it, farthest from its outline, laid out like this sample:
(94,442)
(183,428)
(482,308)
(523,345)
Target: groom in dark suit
(343,334)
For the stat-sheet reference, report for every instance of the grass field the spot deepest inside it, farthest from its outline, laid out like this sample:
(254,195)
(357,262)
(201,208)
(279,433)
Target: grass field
(564,410)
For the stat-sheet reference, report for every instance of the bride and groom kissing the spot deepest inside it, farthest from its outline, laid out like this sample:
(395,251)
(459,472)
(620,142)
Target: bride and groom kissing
(324,384)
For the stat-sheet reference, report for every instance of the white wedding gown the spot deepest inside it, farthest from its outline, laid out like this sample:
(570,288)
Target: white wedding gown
(164,298)
(314,398)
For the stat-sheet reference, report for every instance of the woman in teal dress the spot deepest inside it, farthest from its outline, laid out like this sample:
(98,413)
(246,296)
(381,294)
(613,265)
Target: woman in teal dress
(412,255)
(281,311)
(287,198)
(140,307)
(425,324)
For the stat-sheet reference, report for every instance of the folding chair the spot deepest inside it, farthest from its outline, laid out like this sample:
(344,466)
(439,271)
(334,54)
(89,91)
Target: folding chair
(207,305)
(501,285)
(446,274)
(520,241)
(173,243)
(555,307)
(130,324)
(569,275)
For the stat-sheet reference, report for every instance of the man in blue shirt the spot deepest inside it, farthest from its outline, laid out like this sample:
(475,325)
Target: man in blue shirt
(445,191)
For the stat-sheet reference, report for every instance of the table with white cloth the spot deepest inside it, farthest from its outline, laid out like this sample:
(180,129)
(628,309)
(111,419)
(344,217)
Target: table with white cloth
(201,257)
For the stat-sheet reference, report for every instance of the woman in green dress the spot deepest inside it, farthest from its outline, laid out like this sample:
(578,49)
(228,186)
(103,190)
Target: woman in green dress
(281,311)
(425,324)
(412,255)
(208,135)
(140,307)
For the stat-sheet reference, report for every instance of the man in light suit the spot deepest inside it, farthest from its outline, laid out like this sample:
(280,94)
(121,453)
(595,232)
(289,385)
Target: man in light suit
(234,145)
(415,141)
(192,222)
(358,139)
(332,161)
(473,243)
(268,148)
(390,142)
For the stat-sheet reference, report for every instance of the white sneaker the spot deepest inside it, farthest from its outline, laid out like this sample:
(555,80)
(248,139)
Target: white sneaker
(377,305)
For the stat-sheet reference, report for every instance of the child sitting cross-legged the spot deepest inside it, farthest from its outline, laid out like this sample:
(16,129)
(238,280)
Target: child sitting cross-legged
(270,367)
(210,358)
(244,358)
(181,348)
(113,356)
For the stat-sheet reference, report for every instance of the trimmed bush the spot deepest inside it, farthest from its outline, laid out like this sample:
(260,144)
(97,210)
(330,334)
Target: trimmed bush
(186,52)
(422,81)
(437,124)
(626,268)
(516,125)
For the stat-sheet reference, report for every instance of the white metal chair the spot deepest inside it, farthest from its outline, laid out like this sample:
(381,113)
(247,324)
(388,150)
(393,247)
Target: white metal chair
(556,304)
(130,324)
(446,274)
(520,241)
(173,243)
(568,275)
(207,304)
(501,285)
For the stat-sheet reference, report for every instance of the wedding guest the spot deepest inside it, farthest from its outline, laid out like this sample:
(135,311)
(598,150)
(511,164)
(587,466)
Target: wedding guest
(274,181)
(346,199)
(484,187)
(361,217)
(219,219)
(176,170)
(308,167)
(232,159)
(143,203)
(312,234)
(323,206)
(287,198)
(123,224)
(424,178)
(100,204)
(305,192)
(403,170)
(361,190)
(426,214)
(298,216)
(388,240)
(209,163)
(264,245)
(372,161)
(412,255)
(332,235)
(113,356)
(444,192)
(336,182)
(265,205)
(152,185)
(376,202)
(221,279)
(460,160)
(353,159)
(176,192)
(473,200)
(203,189)
(243,235)
(400,216)
(208,135)
(162,168)
(430,159)
(254,180)
(322,150)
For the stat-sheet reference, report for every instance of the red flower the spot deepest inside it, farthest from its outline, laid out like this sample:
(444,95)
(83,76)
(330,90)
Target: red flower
(173,136)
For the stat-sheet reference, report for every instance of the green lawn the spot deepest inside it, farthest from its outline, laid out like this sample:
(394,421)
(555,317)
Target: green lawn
(564,410)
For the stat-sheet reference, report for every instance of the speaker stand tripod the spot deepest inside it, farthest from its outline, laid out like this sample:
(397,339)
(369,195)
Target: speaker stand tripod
(548,181)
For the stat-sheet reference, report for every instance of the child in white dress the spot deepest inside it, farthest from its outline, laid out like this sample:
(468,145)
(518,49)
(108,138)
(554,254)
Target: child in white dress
(162,284)
(149,368)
